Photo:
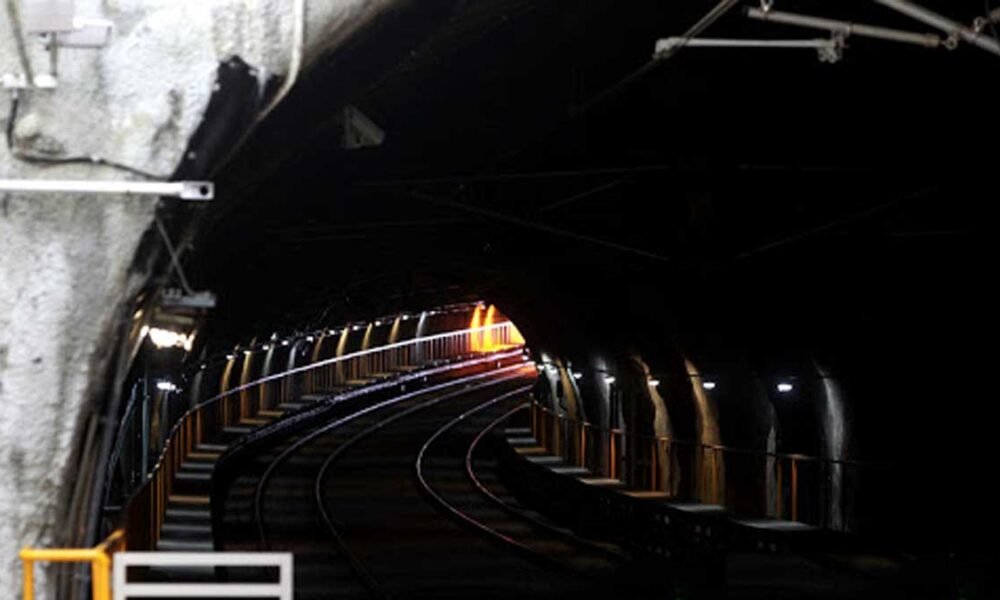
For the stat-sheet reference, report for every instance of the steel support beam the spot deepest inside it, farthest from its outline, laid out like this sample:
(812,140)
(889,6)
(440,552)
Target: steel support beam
(928,40)
(668,44)
(952,28)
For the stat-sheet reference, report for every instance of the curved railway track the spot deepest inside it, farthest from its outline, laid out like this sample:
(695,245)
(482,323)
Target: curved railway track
(400,499)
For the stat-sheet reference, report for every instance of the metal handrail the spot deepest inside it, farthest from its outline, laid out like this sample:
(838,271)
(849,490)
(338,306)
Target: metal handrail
(733,449)
(796,487)
(99,558)
(147,506)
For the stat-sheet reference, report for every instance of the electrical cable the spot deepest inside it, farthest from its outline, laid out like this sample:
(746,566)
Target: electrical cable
(540,226)
(64,160)
(22,51)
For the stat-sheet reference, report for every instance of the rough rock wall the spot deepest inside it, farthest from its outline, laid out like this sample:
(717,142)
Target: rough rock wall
(65,259)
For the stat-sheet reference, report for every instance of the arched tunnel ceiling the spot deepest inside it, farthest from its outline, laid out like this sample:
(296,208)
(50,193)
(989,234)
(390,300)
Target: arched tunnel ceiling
(724,197)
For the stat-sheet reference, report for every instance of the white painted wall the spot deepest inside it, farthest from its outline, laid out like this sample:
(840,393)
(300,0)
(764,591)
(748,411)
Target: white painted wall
(64,259)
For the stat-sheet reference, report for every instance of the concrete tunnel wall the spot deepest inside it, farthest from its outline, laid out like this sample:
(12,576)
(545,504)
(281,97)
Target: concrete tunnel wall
(67,270)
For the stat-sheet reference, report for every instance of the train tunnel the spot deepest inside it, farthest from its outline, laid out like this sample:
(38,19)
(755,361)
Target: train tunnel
(496,301)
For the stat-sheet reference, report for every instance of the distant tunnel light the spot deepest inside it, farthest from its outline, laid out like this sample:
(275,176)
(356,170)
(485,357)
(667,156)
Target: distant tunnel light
(284,342)
(168,338)
(784,387)
(609,380)
(708,385)
(166,386)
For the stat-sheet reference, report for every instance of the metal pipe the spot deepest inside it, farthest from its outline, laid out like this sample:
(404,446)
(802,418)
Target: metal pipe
(919,13)
(666,45)
(185,190)
(14,12)
(928,40)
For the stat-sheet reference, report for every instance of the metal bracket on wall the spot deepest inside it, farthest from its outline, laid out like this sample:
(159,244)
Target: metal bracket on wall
(185,190)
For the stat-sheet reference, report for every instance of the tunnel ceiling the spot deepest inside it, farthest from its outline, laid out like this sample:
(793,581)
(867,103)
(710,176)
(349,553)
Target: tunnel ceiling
(760,191)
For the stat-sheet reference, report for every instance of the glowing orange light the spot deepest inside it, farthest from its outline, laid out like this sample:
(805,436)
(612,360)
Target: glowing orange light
(477,338)
(492,340)
(490,336)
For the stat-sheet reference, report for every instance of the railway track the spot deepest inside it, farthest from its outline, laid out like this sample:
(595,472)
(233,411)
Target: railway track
(400,499)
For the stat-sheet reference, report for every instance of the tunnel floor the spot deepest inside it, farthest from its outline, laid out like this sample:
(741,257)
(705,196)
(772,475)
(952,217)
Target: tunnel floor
(404,497)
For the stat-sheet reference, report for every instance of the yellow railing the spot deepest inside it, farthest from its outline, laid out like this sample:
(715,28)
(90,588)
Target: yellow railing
(99,558)
(147,507)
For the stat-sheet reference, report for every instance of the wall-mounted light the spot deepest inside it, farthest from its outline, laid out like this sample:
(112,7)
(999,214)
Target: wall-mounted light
(247,352)
(230,357)
(167,338)
(356,328)
(609,380)
(166,386)
(406,317)
(654,383)
(266,347)
(310,339)
(784,387)
(378,323)
(708,385)
(577,376)
(284,342)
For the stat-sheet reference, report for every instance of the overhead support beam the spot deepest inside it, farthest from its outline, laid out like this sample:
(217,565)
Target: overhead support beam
(952,28)
(185,190)
(717,12)
(927,40)
(668,44)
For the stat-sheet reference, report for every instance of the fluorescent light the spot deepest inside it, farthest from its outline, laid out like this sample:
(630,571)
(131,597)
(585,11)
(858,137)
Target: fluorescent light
(167,338)
(708,385)
(166,386)
(784,388)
